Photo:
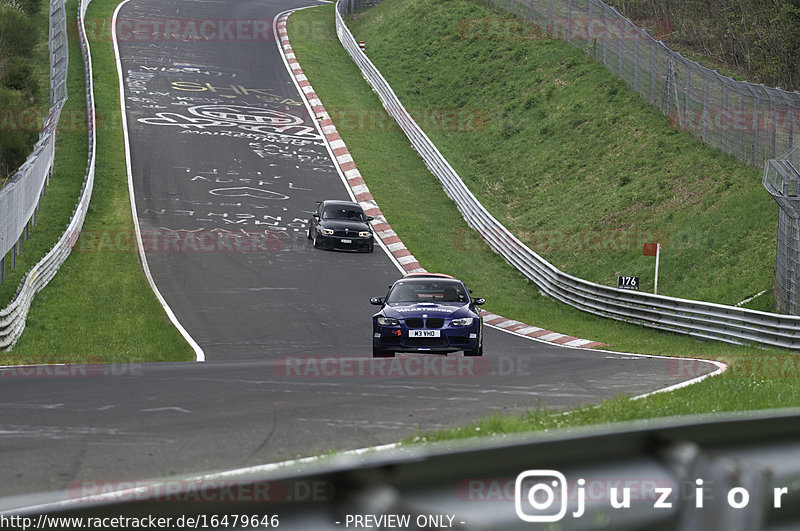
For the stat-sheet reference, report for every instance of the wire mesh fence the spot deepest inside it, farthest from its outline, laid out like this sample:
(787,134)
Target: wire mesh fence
(355,5)
(19,199)
(782,181)
(750,121)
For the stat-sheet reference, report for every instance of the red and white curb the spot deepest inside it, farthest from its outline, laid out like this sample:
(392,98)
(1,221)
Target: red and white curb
(361,192)
(535,332)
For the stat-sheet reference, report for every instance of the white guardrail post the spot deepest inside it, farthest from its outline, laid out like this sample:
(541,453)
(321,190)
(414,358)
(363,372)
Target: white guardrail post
(12,317)
(694,318)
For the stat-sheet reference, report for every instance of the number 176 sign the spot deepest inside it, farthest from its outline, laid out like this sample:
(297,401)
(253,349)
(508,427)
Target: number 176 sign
(627,282)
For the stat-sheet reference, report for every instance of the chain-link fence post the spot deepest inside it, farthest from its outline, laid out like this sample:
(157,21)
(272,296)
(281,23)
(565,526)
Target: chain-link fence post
(782,181)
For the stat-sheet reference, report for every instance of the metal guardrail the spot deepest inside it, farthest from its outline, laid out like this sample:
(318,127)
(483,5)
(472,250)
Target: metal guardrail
(733,472)
(12,318)
(694,318)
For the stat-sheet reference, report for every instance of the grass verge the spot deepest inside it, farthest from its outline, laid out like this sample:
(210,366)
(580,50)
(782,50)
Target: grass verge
(99,307)
(432,228)
(571,160)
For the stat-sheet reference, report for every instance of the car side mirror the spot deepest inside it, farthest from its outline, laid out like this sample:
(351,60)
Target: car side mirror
(315,215)
(377,301)
(480,301)
(370,218)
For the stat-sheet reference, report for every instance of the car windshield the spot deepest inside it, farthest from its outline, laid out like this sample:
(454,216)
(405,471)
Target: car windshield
(343,213)
(428,291)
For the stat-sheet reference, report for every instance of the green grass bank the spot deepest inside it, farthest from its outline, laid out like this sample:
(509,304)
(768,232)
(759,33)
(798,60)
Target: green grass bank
(573,162)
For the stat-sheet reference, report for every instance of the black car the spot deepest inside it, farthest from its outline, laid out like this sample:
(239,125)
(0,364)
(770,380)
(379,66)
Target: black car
(341,225)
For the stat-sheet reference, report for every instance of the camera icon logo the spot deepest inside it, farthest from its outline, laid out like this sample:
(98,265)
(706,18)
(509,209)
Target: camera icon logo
(541,496)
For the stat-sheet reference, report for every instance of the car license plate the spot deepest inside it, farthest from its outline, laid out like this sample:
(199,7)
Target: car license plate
(423,333)
(347,241)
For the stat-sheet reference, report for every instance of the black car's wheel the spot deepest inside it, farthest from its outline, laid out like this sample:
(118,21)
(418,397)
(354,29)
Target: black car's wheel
(371,248)
(475,352)
(380,353)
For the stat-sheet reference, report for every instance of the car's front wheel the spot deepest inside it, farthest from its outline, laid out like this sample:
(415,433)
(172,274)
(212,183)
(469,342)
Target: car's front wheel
(477,351)
(380,353)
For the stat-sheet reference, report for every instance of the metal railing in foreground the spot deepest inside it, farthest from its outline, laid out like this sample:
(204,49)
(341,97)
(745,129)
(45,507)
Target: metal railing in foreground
(694,318)
(733,472)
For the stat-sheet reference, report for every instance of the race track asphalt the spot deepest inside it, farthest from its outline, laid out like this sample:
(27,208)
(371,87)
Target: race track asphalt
(226,166)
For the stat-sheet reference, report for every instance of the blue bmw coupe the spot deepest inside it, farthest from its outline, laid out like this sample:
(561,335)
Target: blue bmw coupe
(430,313)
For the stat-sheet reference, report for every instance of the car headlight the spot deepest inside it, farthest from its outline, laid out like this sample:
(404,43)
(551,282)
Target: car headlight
(327,232)
(364,234)
(388,321)
(466,321)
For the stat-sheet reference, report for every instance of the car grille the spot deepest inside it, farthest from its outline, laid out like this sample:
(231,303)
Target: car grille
(431,322)
(346,234)
(435,322)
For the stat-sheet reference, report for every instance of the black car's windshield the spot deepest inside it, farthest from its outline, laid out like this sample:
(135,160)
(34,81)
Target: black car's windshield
(428,291)
(343,213)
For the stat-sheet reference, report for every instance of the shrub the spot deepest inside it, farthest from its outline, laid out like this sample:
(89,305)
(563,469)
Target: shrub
(15,143)
(20,75)
(18,33)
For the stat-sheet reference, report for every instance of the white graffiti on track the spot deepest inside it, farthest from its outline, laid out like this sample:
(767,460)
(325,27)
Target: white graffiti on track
(247,191)
(247,115)
(268,137)
(231,197)
(180,120)
(253,119)
(183,69)
(234,92)
(164,239)
(137,81)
